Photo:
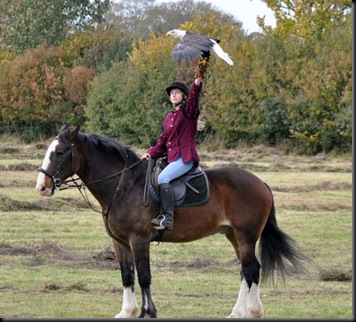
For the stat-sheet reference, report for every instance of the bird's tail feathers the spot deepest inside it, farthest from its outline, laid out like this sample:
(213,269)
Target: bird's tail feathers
(222,54)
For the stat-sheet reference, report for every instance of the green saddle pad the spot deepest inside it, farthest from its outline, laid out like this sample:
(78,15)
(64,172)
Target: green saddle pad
(196,192)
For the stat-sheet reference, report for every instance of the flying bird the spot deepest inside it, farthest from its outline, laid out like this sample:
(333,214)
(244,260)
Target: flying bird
(193,45)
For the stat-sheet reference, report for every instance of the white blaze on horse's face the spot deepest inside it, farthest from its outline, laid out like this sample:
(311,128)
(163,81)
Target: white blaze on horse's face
(41,179)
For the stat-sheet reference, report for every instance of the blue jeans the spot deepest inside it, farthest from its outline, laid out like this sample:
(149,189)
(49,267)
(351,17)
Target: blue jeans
(174,170)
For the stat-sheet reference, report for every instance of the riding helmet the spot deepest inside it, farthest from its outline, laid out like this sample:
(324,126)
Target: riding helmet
(178,85)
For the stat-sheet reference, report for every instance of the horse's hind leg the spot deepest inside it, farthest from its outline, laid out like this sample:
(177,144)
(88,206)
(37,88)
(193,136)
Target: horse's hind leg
(248,304)
(129,304)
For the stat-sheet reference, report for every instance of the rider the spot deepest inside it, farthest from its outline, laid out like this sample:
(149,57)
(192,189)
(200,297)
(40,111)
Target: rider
(177,141)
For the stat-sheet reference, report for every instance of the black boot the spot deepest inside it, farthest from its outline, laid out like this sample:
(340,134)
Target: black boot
(165,218)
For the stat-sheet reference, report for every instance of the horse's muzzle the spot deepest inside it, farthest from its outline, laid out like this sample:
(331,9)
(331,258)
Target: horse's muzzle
(41,184)
(46,191)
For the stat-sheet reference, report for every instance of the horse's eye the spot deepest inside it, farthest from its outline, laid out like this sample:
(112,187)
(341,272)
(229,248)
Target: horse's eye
(59,153)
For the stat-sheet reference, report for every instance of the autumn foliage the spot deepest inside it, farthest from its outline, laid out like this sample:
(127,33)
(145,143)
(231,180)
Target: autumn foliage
(290,86)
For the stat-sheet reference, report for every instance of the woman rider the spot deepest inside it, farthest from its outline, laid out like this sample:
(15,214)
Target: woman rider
(177,141)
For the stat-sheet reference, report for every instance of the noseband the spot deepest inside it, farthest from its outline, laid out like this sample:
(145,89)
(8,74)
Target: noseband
(55,180)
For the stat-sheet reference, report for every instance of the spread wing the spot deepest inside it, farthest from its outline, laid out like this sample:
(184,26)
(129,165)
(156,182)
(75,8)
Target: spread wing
(191,46)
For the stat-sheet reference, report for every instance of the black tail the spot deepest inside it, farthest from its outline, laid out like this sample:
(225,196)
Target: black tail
(275,248)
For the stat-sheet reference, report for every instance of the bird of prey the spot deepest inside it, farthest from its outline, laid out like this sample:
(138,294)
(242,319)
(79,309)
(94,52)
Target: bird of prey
(193,45)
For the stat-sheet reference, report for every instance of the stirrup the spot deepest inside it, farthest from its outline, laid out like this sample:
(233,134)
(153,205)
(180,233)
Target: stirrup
(158,223)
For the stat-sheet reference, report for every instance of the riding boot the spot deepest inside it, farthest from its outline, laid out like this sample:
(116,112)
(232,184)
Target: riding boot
(165,218)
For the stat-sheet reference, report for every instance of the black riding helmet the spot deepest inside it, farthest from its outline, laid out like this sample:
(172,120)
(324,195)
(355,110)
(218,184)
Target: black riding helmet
(178,85)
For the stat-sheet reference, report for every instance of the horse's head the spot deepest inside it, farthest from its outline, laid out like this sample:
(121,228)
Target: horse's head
(58,163)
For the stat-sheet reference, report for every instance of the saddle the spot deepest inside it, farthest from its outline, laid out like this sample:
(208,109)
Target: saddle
(192,188)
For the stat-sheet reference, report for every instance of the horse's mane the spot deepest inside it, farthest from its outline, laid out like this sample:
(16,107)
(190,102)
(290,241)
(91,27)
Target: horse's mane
(111,147)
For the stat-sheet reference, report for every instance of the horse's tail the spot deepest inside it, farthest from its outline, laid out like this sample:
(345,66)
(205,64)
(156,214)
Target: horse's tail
(275,248)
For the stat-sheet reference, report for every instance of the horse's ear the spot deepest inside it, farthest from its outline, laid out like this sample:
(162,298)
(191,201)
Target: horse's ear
(63,127)
(73,133)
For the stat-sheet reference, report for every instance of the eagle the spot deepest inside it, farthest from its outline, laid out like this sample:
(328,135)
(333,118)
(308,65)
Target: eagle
(193,45)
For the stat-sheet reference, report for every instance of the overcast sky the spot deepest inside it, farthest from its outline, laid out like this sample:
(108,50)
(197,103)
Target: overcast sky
(245,11)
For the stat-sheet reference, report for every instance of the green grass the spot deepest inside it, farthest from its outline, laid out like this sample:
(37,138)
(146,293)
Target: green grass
(50,264)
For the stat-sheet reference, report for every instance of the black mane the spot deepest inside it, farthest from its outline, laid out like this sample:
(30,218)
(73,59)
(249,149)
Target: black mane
(106,146)
(110,151)
(111,147)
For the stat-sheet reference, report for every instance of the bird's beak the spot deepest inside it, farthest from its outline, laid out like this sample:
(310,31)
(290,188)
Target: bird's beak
(169,33)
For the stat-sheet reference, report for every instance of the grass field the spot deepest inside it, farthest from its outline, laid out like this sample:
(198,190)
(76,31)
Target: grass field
(57,260)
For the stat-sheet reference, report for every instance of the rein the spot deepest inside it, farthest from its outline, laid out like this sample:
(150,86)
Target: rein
(82,186)
(150,166)
(119,184)
(79,187)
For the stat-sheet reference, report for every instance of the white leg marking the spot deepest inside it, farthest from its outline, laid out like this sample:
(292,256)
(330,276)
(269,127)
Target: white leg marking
(129,305)
(248,303)
(145,304)
(254,305)
(240,310)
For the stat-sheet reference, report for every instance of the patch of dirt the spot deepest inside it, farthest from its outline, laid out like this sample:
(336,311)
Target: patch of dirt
(52,287)
(78,286)
(316,206)
(202,264)
(322,186)
(107,254)
(283,166)
(41,146)
(259,152)
(22,167)
(293,293)
(47,252)
(18,184)
(9,204)
(336,274)
(9,150)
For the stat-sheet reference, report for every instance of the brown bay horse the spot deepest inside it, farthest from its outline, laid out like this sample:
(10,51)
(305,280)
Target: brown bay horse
(240,206)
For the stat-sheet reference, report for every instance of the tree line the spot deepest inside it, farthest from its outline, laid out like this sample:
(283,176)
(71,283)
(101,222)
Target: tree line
(105,65)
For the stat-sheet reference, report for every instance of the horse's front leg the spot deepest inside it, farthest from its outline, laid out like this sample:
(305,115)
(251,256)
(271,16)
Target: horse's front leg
(141,252)
(129,304)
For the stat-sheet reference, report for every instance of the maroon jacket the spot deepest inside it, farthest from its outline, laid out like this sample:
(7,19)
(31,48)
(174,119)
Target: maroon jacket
(179,131)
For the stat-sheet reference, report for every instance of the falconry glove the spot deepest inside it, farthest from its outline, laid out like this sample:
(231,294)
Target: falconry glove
(201,68)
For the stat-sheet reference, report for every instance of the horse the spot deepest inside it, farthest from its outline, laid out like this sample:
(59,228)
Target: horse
(240,206)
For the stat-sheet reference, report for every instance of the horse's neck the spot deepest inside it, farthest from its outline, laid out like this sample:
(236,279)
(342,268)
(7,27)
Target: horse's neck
(103,176)
(100,174)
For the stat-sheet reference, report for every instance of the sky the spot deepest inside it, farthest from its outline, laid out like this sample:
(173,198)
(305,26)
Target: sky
(245,11)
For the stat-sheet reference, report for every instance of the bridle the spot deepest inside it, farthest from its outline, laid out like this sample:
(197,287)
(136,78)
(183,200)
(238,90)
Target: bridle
(57,183)
(55,180)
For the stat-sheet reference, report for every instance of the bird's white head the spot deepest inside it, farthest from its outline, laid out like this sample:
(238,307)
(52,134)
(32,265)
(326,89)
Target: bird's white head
(176,33)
